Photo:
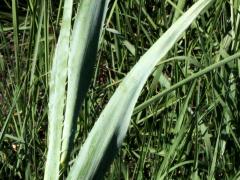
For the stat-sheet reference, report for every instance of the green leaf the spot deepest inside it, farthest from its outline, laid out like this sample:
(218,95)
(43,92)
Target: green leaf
(82,56)
(57,95)
(185,81)
(111,127)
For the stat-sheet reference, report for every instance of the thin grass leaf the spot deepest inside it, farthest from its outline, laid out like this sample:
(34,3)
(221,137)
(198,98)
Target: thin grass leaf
(111,127)
(214,160)
(46,36)
(179,8)
(186,80)
(163,170)
(15,32)
(37,44)
(57,95)
(184,110)
(14,103)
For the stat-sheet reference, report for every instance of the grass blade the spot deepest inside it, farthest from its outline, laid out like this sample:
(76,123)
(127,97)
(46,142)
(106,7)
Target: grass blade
(180,129)
(214,160)
(186,80)
(15,30)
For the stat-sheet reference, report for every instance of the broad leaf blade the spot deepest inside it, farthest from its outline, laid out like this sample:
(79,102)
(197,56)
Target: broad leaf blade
(57,94)
(111,127)
(84,43)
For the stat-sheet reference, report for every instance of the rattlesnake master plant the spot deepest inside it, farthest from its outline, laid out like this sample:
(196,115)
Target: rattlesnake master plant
(185,123)
(74,59)
(78,62)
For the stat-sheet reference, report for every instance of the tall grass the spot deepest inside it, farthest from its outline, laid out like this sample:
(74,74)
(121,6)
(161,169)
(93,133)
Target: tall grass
(72,72)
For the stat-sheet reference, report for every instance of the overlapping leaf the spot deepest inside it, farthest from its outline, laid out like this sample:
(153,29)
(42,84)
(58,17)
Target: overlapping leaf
(111,127)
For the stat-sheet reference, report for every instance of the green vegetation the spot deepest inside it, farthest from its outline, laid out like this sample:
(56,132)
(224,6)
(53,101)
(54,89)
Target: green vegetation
(127,89)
